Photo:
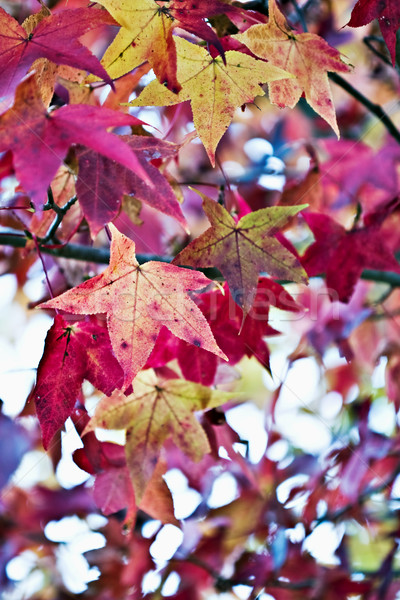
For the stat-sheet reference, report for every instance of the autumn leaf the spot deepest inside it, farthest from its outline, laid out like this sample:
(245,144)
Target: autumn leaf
(40,140)
(113,492)
(145,35)
(236,336)
(191,15)
(139,300)
(388,14)
(215,89)
(55,37)
(72,353)
(307,56)
(242,250)
(102,183)
(343,255)
(154,412)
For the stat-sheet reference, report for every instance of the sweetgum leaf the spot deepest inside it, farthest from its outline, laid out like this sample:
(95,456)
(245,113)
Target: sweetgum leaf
(343,255)
(102,183)
(55,37)
(388,14)
(40,140)
(307,56)
(242,250)
(72,353)
(155,411)
(235,335)
(215,89)
(139,300)
(145,35)
(191,15)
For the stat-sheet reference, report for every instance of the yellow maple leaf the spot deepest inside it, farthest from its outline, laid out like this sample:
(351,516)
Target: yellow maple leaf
(145,35)
(306,55)
(215,89)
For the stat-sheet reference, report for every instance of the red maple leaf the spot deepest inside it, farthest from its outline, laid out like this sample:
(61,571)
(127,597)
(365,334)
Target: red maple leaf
(55,38)
(102,183)
(343,255)
(388,14)
(191,15)
(72,353)
(139,300)
(40,140)
(225,318)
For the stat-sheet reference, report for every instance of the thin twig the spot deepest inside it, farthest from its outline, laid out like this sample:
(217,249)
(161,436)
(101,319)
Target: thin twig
(300,14)
(101,256)
(373,108)
(375,38)
(60,214)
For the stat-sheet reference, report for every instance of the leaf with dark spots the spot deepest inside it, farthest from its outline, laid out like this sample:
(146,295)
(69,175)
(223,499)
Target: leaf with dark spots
(72,353)
(215,89)
(145,35)
(156,411)
(242,250)
(136,289)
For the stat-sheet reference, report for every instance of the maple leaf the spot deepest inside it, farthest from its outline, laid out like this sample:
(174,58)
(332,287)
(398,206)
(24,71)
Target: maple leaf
(306,55)
(244,249)
(388,14)
(72,353)
(191,15)
(235,335)
(55,37)
(146,35)
(155,411)
(139,300)
(40,140)
(102,183)
(215,89)
(343,255)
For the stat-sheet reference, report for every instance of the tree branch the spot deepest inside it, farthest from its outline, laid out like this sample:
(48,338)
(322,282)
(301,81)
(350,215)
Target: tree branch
(373,108)
(101,256)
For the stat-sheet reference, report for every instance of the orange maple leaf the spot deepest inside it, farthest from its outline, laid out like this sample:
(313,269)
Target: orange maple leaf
(306,55)
(139,300)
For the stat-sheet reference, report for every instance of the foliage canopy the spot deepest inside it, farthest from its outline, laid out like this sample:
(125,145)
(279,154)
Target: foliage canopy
(208,195)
